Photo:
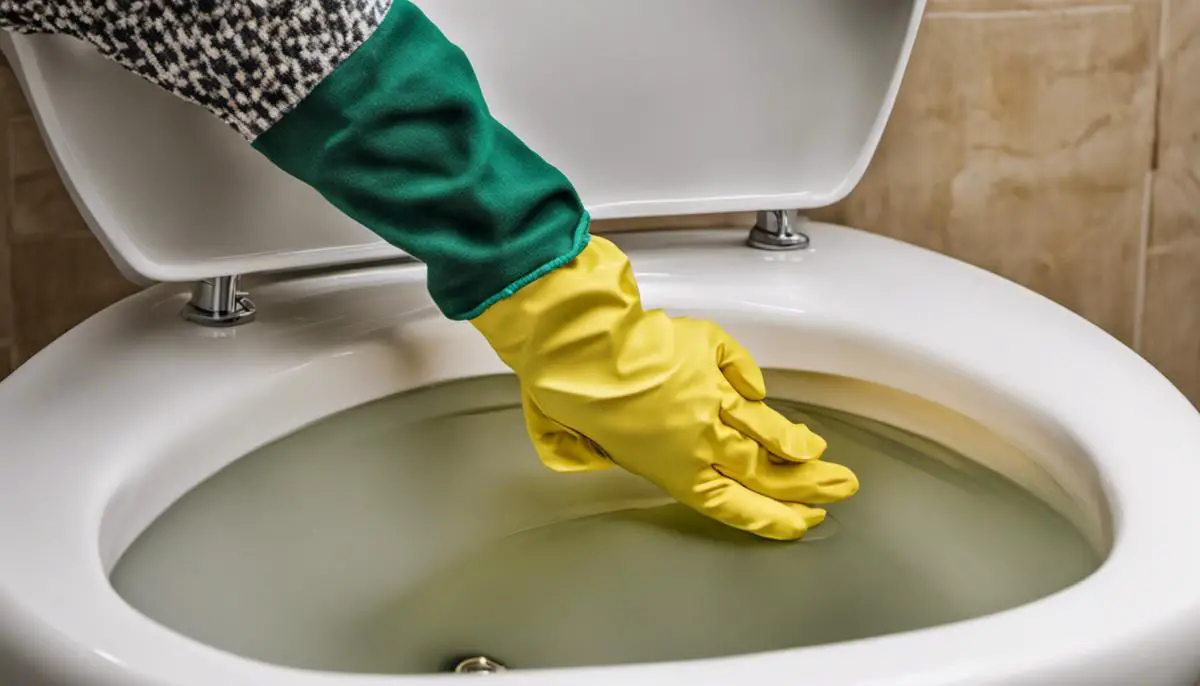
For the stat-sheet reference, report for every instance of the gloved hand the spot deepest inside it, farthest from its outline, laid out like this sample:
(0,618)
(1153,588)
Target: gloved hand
(676,401)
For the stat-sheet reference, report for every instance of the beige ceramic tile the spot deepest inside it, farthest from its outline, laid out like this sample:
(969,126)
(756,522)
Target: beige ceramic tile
(6,306)
(1021,143)
(57,283)
(5,361)
(6,303)
(1171,326)
(1179,128)
(12,101)
(1171,334)
(40,203)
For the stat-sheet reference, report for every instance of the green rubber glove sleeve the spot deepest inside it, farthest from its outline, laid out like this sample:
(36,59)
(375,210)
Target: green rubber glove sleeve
(399,138)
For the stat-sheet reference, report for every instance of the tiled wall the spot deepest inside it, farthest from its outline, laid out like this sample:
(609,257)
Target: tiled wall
(1056,142)
(53,273)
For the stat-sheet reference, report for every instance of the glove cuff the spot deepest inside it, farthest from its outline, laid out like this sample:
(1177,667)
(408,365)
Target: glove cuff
(581,310)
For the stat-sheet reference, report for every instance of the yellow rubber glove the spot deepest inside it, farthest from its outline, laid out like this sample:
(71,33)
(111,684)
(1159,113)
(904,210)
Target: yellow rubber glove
(676,401)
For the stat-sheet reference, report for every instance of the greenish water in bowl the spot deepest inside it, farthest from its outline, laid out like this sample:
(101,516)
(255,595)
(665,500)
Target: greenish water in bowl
(396,536)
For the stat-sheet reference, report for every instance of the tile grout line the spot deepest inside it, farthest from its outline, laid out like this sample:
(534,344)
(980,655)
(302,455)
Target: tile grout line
(1139,285)
(1147,214)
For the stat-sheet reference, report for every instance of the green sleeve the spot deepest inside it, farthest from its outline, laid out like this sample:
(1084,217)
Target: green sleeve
(399,138)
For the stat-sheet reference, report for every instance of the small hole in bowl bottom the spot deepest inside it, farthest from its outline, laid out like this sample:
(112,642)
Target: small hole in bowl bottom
(388,537)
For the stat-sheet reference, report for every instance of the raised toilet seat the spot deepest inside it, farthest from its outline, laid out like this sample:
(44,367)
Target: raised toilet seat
(708,106)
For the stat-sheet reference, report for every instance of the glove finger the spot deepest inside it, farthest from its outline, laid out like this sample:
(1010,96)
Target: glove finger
(558,447)
(732,504)
(739,367)
(815,482)
(780,436)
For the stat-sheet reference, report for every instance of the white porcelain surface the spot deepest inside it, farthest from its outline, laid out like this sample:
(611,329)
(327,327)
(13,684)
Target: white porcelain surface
(633,99)
(107,426)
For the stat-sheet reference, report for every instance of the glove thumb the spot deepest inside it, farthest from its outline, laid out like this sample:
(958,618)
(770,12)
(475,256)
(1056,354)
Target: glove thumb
(738,366)
(558,447)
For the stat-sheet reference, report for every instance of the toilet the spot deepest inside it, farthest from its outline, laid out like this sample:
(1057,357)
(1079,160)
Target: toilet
(270,312)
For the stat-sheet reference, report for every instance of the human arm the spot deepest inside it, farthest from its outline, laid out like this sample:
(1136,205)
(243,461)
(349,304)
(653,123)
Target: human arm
(367,102)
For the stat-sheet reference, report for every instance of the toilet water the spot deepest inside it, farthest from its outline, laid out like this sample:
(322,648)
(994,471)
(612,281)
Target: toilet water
(397,536)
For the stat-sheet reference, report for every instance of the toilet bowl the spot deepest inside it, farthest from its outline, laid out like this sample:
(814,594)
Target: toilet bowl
(109,432)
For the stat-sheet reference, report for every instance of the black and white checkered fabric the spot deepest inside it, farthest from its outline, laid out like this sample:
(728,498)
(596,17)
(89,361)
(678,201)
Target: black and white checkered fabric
(246,61)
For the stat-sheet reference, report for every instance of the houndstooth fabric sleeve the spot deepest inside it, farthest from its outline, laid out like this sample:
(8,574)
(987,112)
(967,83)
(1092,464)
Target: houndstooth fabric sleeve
(249,62)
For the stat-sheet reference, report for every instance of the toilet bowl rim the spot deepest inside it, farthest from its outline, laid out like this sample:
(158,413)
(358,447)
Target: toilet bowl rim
(1079,620)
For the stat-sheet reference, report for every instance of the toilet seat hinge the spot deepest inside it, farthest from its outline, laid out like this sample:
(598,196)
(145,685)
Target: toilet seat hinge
(778,230)
(217,302)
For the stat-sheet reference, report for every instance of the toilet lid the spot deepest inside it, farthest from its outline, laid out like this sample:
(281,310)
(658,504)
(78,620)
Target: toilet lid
(651,107)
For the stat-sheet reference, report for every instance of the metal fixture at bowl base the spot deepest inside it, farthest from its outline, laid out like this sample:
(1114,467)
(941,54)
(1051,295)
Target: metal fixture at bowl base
(478,665)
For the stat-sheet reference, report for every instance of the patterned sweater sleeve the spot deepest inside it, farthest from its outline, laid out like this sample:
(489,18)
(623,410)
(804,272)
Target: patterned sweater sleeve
(367,102)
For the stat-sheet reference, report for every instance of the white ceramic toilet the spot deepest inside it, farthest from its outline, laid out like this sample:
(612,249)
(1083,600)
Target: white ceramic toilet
(653,107)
